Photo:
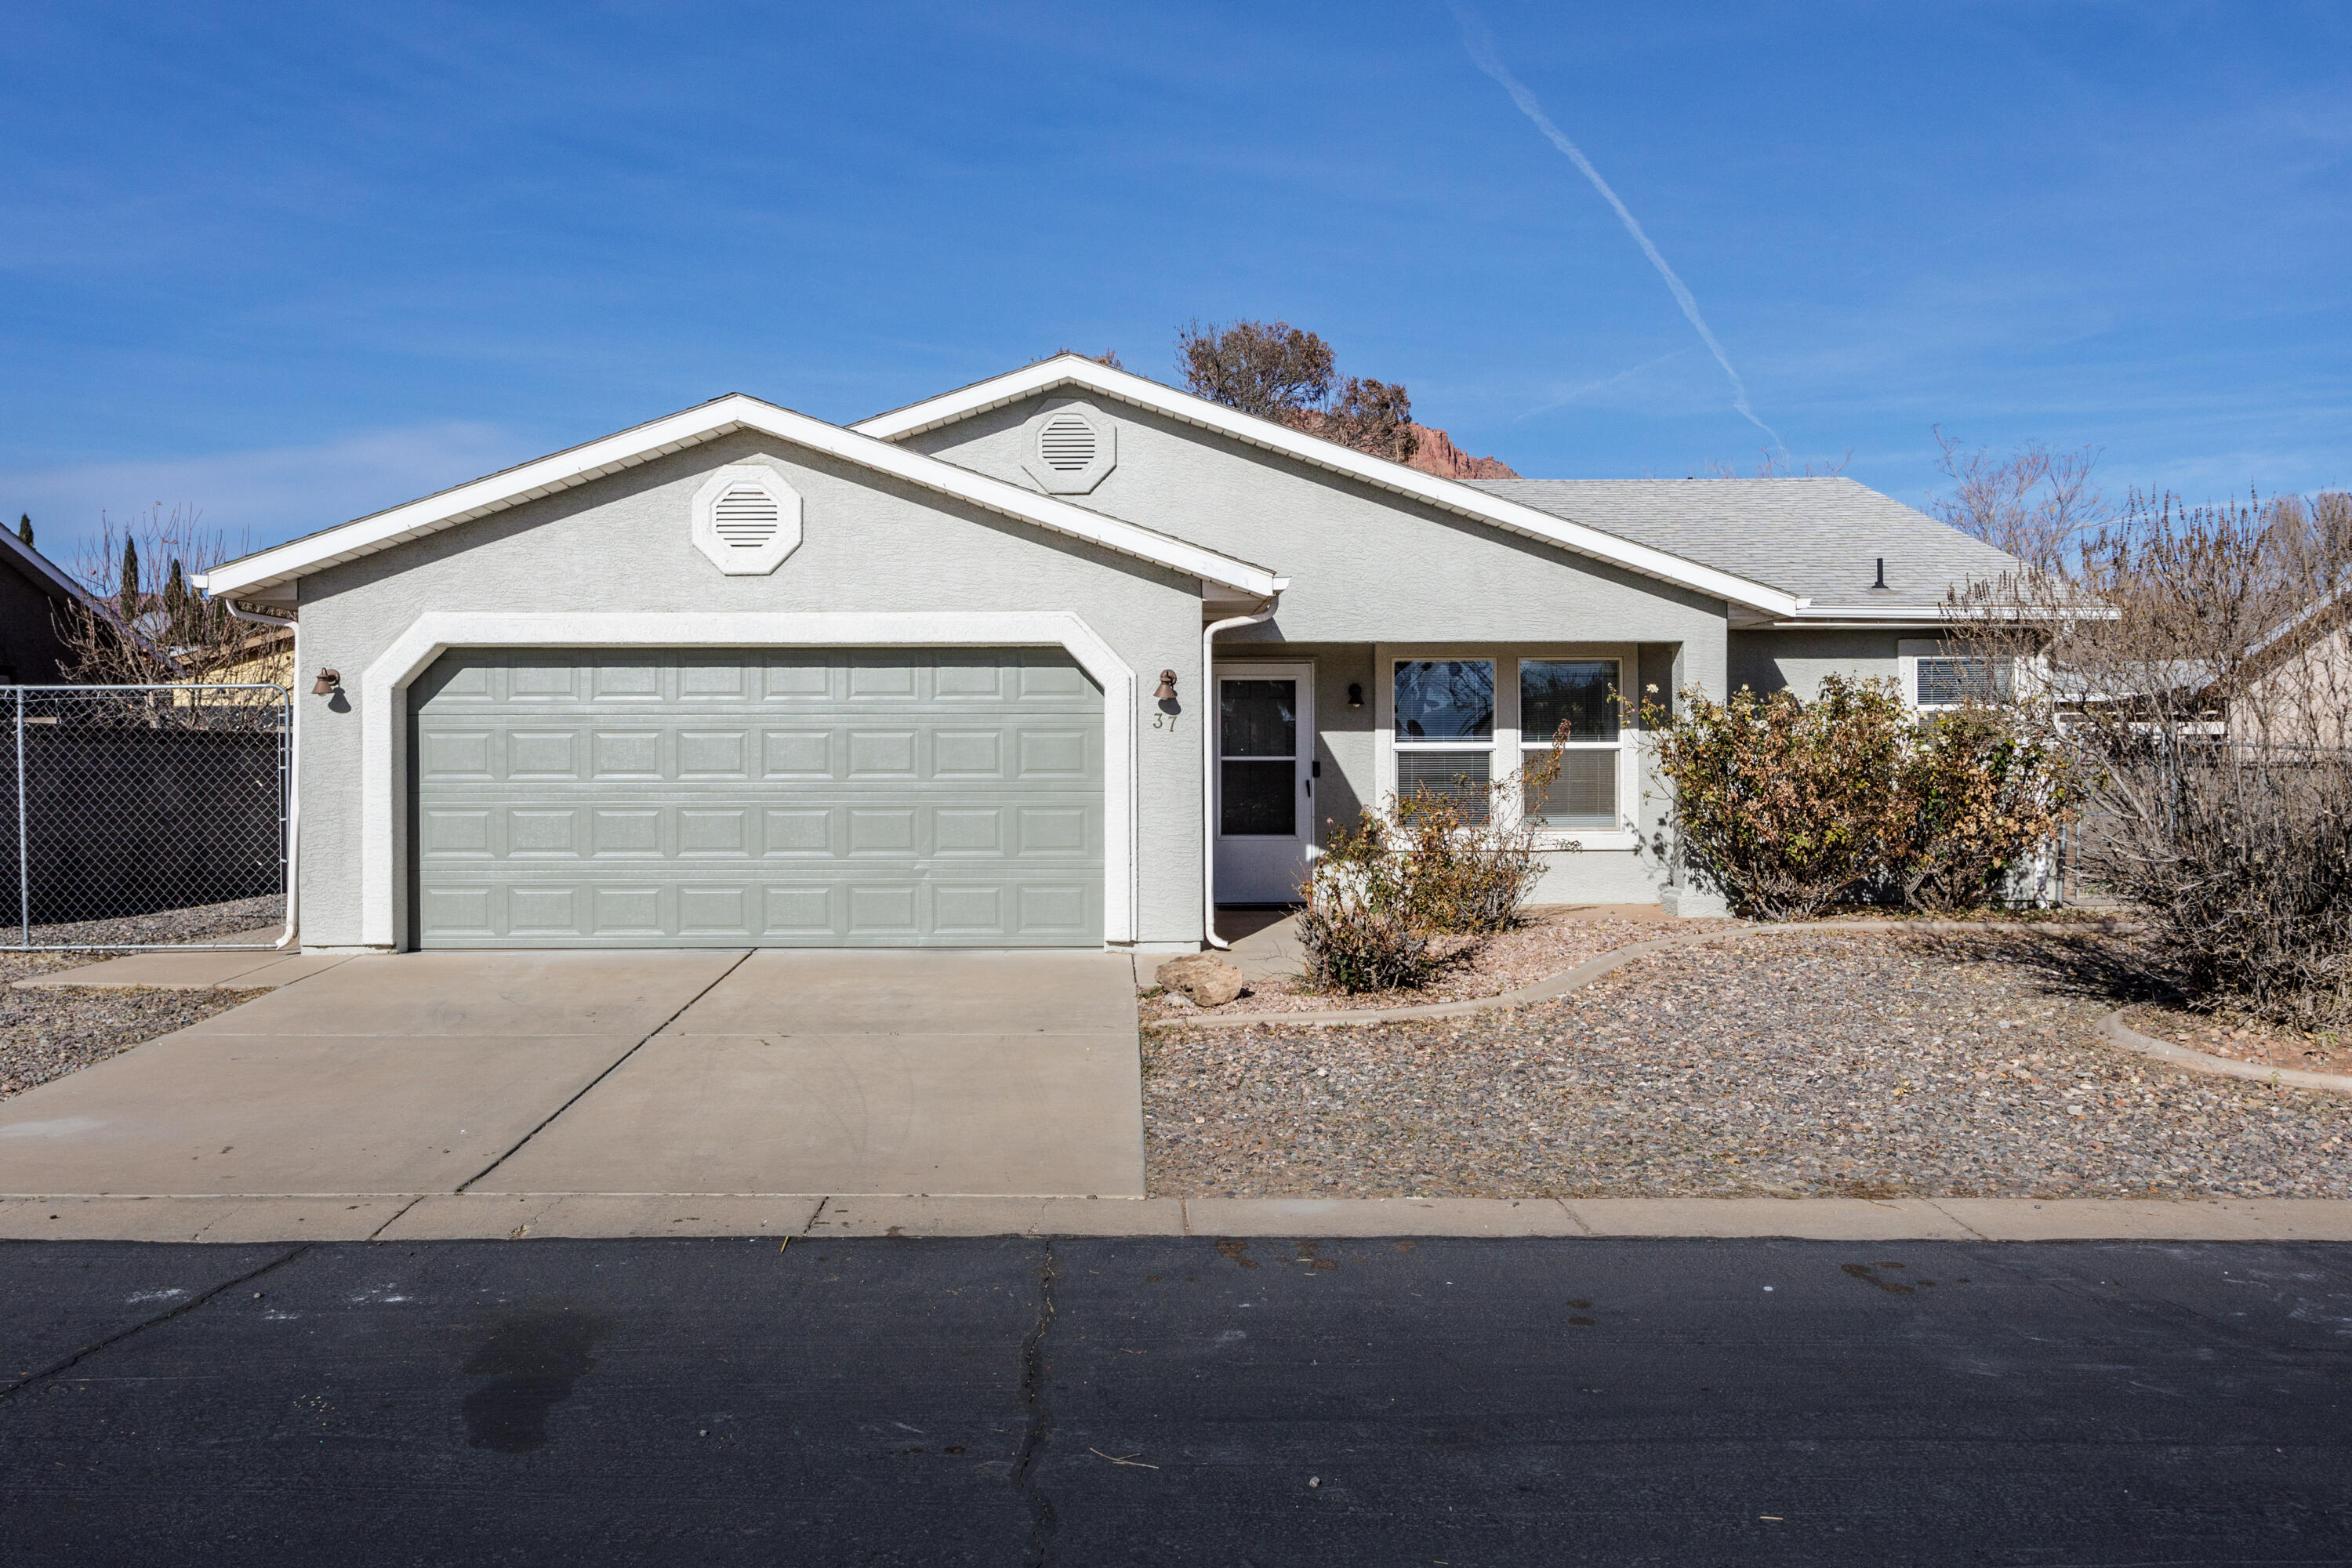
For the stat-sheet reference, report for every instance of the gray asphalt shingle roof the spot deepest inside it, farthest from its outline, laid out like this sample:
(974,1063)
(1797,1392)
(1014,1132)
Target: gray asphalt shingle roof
(1820,538)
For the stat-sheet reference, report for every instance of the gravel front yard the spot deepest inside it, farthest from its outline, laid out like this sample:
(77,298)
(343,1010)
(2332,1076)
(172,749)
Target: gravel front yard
(1820,1065)
(46,1033)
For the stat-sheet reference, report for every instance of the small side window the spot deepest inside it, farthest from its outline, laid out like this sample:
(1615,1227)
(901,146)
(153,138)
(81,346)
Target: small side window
(1947,683)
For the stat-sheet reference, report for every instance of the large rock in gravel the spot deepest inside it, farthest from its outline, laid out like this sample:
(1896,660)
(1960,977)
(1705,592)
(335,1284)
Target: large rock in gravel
(1204,978)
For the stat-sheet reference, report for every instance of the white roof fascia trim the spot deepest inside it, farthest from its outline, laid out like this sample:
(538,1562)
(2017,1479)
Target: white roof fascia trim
(613,453)
(1032,380)
(1849,618)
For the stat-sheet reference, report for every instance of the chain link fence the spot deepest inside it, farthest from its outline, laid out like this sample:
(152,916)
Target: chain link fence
(145,815)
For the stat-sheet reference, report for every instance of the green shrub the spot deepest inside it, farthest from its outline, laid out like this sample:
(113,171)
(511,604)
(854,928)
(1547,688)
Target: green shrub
(1785,805)
(1789,806)
(1981,789)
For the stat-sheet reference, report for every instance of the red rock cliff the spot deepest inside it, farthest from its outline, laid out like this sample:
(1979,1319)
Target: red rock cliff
(1438,455)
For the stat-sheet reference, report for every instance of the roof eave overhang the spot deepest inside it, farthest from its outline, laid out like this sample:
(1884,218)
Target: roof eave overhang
(270,569)
(1050,375)
(1871,617)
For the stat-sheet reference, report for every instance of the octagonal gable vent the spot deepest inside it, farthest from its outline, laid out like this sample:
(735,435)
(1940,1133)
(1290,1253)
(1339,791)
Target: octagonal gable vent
(746,517)
(1067,443)
(1067,450)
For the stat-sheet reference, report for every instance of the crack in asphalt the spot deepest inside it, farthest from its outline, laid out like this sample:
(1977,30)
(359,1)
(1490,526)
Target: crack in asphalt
(183,1309)
(1039,1429)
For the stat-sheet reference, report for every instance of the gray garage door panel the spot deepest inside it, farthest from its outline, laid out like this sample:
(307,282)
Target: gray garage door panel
(876,798)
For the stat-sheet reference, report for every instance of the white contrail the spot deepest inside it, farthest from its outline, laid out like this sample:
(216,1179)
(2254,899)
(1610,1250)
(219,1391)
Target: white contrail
(1481,45)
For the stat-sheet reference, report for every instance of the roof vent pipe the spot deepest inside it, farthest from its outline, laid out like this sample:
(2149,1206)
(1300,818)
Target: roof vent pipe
(1880,587)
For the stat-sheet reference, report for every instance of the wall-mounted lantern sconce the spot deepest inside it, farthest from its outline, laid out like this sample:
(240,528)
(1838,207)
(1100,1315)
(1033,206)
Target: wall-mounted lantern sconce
(1355,695)
(1167,692)
(328,684)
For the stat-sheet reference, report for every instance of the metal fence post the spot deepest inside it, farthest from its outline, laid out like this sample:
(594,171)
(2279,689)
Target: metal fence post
(24,854)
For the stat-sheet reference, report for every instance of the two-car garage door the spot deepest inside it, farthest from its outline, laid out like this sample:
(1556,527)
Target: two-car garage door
(771,797)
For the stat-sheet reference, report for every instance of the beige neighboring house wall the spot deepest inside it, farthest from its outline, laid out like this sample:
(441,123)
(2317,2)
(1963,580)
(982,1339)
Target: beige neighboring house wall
(2305,699)
(264,659)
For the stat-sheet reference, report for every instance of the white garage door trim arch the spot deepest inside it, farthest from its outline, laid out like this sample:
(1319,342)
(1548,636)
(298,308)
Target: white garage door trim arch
(383,709)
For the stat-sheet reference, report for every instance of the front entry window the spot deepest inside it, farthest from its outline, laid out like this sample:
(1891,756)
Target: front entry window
(1258,742)
(1445,730)
(1572,704)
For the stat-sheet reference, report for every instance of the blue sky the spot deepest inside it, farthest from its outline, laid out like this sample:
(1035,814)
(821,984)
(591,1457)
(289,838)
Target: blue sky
(292,264)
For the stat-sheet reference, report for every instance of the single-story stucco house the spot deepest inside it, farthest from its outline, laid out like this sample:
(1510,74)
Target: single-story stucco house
(1064,657)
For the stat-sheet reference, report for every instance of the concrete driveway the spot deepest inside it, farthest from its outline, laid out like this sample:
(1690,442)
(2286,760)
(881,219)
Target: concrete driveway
(769,1072)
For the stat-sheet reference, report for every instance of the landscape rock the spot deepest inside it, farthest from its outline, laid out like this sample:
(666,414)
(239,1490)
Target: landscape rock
(1204,977)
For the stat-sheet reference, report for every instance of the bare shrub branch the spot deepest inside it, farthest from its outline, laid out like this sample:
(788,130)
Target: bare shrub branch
(2034,502)
(1434,864)
(141,625)
(2195,661)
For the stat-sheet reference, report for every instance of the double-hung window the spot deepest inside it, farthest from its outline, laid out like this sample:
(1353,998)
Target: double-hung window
(1571,703)
(1445,730)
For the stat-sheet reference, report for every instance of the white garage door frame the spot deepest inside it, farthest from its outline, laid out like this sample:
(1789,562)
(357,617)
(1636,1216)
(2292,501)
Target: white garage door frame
(383,709)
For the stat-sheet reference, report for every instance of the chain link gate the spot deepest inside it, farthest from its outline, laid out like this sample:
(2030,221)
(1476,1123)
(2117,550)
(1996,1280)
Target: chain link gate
(128,812)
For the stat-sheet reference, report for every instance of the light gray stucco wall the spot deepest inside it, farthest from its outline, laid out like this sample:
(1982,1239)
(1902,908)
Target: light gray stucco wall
(1367,566)
(1770,661)
(869,544)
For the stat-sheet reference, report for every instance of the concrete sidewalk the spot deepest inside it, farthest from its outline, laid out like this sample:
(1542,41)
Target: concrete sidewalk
(473,1215)
(206,969)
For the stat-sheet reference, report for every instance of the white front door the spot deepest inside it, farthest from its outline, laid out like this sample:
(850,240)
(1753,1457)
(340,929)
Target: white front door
(1266,781)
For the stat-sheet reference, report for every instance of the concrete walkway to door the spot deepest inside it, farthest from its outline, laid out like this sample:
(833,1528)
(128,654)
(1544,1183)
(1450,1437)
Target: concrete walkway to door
(655,1072)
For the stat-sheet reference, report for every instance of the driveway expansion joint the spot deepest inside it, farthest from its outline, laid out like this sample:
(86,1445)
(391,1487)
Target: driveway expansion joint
(611,1067)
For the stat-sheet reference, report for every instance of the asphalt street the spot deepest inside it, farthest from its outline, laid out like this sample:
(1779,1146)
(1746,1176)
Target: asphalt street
(1175,1401)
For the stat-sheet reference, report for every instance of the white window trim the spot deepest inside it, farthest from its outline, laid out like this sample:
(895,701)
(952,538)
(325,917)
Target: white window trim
(384,712)
(1508,742)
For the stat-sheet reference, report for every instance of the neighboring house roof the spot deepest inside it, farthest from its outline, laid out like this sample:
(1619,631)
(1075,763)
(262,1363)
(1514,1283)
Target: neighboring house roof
(38,567)
(1818,538)
(720,417)
(1740,586)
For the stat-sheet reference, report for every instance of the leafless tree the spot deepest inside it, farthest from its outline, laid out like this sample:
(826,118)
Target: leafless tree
(2196,662)
(2037,502)
(139,623)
